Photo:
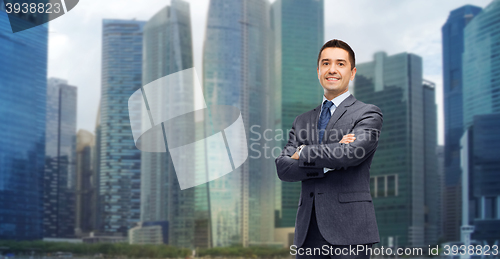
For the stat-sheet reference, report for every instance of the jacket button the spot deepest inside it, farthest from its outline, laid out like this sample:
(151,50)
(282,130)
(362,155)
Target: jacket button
(311,194)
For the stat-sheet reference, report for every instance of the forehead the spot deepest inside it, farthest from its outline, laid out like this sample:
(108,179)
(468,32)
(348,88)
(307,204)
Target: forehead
(334,54)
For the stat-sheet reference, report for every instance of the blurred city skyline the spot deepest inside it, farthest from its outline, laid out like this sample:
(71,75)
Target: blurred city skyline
(411,26)
(260,58)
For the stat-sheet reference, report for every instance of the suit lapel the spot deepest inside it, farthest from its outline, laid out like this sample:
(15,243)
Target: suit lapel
(314,125)
(337,114)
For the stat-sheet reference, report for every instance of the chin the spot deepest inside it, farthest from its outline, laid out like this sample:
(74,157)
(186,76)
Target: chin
(332,89)
(331,85)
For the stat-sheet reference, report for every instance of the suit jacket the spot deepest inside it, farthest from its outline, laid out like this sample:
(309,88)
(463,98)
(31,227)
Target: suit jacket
(343,204)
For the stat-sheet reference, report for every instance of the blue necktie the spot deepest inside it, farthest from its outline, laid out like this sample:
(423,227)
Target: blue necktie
(324,118)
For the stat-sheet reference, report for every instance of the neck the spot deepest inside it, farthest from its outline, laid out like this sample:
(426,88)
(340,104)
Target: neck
(330,96)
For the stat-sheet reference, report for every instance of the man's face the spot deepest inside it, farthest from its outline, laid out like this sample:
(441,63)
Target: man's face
(334,72)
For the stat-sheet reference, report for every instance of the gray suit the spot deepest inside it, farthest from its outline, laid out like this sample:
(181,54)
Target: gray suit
(343,204)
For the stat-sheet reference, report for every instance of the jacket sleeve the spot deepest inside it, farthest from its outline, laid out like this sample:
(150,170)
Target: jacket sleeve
(340,156)
(288,168)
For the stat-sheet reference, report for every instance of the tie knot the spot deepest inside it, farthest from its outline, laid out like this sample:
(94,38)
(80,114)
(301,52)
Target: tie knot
(327,104)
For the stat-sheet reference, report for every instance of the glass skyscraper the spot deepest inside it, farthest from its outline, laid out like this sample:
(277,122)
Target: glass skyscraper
(431,171)
(60,160)
(23,86)
(85,184)
(202,234)
(120,160)
(481,109)
(481,64)
(298,27)
(236,71)
(484,177)
(96,162)
(168,49)
(394,83)
(453,47)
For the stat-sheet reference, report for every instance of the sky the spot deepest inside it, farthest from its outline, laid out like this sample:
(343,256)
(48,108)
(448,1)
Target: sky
(368,26)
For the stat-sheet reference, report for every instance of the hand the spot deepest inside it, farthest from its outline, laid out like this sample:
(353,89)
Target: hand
(295,156)
(346,139)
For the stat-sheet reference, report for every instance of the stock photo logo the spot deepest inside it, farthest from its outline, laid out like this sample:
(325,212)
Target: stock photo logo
(204,144)
(26,14)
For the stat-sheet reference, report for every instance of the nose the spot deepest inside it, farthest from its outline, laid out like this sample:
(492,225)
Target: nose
(332,69)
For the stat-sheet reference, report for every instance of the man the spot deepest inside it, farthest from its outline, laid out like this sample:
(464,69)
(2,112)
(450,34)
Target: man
(335,206)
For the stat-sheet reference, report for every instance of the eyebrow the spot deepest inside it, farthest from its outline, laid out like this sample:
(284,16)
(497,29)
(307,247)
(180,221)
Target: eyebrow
(327,59)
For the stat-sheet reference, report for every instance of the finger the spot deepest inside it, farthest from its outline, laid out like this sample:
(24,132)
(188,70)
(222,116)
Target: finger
(347,141)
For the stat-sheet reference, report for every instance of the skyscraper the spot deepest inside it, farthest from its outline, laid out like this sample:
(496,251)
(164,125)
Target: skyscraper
(23,77)
(453,47)
(168,49)
(481,165)
(119,172)
(481,108)
(236,63)
(60,160)
(432,190)
(96,157)
(440,179)
(394,83)
(480,64)
(298,31)
(202,233)
(85,184)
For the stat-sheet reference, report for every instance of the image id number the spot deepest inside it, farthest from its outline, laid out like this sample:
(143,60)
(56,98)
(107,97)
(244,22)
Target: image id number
(470,250)
(33,8)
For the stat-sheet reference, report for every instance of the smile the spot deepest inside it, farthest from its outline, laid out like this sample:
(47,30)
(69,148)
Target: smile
(332,79)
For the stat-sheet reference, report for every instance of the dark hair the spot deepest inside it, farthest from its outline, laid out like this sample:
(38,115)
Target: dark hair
(341,45)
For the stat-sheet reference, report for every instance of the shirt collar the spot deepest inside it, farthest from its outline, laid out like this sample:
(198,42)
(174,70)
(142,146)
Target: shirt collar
(337,100)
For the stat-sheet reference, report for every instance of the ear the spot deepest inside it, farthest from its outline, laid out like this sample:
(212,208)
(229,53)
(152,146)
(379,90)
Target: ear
(353,73)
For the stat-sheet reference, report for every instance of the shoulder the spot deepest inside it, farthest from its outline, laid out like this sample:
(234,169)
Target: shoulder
(361,111)
(366,107)
(307,115)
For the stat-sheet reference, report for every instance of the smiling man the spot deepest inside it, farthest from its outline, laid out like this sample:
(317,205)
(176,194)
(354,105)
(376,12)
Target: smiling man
(330,150)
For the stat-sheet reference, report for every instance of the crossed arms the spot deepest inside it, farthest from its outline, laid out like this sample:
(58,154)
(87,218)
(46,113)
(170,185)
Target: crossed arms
(313,158)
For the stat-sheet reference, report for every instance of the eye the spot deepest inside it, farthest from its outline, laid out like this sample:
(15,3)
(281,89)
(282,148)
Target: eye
(325,63)
(341,64)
